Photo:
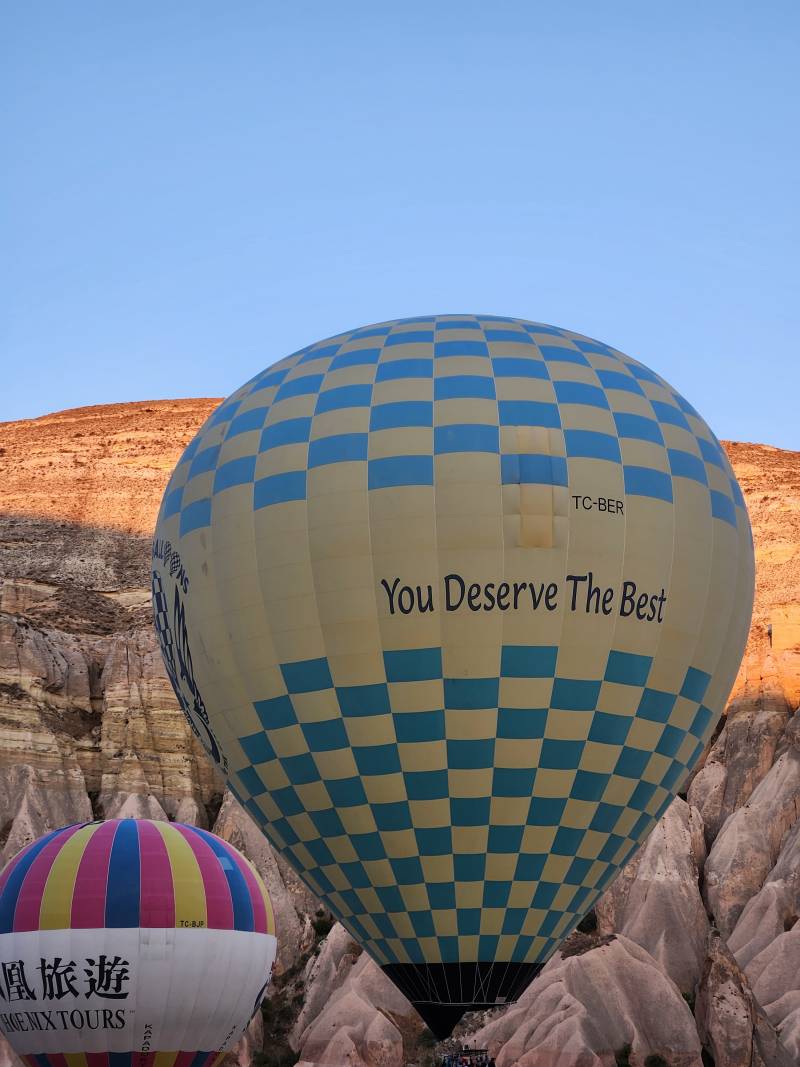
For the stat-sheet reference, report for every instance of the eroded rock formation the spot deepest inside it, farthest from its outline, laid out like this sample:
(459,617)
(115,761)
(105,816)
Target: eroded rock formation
(89,726)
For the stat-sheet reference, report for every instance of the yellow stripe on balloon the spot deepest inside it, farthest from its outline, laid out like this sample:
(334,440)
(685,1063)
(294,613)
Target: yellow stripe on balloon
(75,1059)
(165,1059)
(56,908)
(187,881)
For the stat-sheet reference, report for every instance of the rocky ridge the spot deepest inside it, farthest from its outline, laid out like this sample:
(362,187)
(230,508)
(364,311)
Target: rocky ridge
(89,726)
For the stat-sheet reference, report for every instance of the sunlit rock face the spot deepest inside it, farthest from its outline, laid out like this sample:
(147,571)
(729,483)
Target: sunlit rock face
(89,726)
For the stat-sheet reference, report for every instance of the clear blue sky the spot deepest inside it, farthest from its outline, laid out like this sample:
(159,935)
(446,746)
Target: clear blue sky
(192,190)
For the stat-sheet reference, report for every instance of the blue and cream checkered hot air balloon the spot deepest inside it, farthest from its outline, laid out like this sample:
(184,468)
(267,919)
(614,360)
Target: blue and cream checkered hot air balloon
(455,603)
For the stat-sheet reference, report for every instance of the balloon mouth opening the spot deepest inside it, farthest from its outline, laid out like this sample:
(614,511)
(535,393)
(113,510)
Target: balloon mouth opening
(442,993)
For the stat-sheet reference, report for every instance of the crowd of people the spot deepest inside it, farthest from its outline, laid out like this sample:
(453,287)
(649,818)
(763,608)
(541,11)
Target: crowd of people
(468,1057)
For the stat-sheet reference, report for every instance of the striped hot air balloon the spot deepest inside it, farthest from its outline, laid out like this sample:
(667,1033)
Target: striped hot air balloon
(455,603)
(131,942)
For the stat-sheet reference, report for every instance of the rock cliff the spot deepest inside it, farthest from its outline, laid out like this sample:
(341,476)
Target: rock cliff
(89,726)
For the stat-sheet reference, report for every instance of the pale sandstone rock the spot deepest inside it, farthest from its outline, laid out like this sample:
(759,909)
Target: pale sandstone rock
(748,844)
(731,1024)
(656,900)
(583,1009)
(346,1014)
(291,903)
(775,979)
(744,751)
(33,802)
(774,908)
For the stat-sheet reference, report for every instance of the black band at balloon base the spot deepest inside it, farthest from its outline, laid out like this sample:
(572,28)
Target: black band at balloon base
(443,992)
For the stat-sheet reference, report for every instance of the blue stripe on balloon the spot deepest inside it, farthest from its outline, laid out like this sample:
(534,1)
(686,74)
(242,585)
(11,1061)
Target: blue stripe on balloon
(400,470)
(122,892)
(11,890)
(240,893)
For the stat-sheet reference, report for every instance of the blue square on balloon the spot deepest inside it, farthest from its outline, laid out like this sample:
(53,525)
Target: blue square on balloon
(675,772)
(363,700)
(631,762)
(701,721)
(376,759)
(560,754)
(640,797)
(495,894)
(284,828)
(326,736)
(357,877)
(390,898)
(426,785)
(252,782)
(448,949)
(487,946)
(567,841)
(386,927)
(529,867)
(469,811)
(656,706)
(368,846)
(395,815)
(467,694)
(434,840)
(695,684)
(513,782)
(670,741)
(469,867)
(588,785)
(545,894)
(513,920)
(327,823)
(276,712)
(610,848)
(625,668)
(606,817)
(549,922)
(546,811)
(411,727)
(320,851)
(571,694)
(307,676)
(469,921)
(521,723)
(578,899)
(578,870)
(287,800)
(441,895)
(346,792)
(471,754)
(609,729)
(505,839)
(422,923)
(407,870)
(300,770)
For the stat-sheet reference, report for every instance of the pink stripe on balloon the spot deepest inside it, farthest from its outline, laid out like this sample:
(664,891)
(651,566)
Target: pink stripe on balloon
(91,881)
(93,1059)
(8,870)
(29,901)
(219,906)
(184,1059)
(256,896)
(157,890)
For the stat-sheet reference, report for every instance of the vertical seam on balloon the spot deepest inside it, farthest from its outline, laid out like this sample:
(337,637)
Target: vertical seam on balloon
(431,981)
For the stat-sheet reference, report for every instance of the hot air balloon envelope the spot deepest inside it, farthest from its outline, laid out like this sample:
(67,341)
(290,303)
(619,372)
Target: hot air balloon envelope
(124,939)
(455,603)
